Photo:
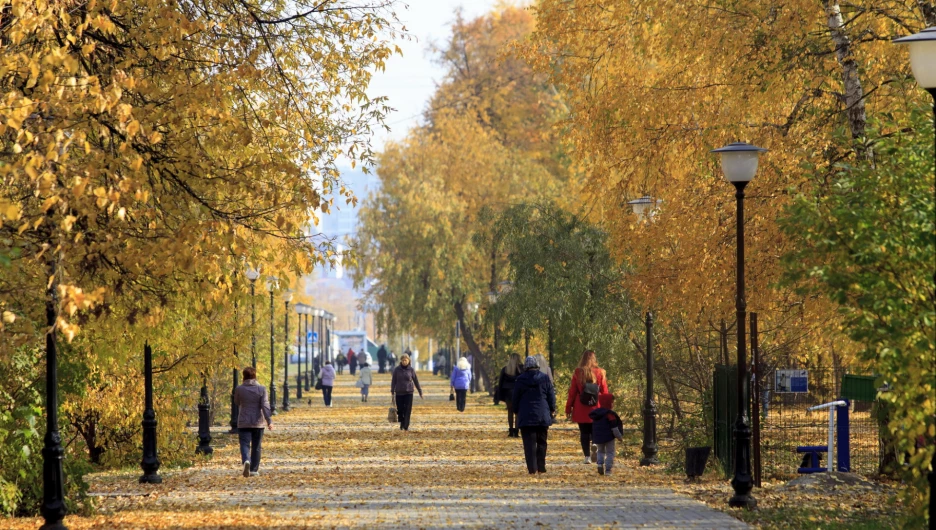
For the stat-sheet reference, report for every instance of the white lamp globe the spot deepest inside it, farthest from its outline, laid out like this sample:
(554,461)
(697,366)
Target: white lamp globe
(922,56)
(739,161)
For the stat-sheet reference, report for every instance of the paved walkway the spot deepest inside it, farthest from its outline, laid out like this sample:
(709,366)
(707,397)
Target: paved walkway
(347,467)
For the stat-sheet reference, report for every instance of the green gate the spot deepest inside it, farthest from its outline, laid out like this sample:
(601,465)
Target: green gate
(725,397)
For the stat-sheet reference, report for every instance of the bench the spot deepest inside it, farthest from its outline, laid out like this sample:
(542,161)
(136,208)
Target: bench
(811,458)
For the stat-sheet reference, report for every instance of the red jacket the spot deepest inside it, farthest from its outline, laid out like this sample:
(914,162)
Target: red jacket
(579,411)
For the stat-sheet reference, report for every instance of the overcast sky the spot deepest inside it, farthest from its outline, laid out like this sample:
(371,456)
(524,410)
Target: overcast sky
(410,80)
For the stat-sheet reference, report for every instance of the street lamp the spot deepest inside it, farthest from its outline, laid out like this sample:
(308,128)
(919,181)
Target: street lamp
(650,411)
(287,297)
(271,284)
(739,163)
(252,275)
(53,478)
(300,309)
(923,63)
(644,206)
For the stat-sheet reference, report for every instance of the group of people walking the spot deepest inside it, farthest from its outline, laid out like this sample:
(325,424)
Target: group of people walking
(526,388)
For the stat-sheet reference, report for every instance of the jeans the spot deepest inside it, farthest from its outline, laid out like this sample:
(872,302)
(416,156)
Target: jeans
(365,390)
(534,448)
(326,393)
(460,400)
(404,407)
(585,432)
(250,446)
(606,455)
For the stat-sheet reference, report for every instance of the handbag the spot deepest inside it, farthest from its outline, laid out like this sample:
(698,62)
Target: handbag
(451,396)
(392,415)
(318,384)
(359,383)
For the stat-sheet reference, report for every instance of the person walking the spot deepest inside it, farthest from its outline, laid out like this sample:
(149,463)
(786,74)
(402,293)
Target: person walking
(352,361)
(461,381)
(505,386)
(606,427)
(365,380)
(327,377)
(362,357)
(341,361)
(544,367)
(588,382)
(403,382)
(254,413)
(382,359)
(534,401)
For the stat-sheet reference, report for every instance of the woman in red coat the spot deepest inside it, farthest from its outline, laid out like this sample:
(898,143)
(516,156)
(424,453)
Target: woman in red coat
(587,373)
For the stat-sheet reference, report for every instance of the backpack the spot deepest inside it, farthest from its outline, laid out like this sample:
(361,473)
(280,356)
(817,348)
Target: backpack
(589,394)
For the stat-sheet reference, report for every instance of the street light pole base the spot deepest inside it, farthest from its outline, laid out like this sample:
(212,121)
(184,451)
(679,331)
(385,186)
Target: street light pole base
(649,461)
(742,501)
(150,479)
(57,525)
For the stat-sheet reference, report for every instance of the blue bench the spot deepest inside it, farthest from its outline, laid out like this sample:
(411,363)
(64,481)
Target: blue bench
(811,454)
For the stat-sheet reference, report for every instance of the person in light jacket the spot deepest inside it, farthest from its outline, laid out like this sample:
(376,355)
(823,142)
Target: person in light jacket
(403,382)
(254,413)
(327,376)
(461,381)
(534,401)
(367,379)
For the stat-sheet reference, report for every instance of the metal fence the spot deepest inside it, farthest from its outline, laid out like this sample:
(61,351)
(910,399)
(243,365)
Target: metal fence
(784,423)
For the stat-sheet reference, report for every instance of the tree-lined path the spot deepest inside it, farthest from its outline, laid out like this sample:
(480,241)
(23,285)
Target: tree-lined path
(348,467)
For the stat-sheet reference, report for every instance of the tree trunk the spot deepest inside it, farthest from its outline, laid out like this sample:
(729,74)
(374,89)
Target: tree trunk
(473,347)
(854,93)
(929,11)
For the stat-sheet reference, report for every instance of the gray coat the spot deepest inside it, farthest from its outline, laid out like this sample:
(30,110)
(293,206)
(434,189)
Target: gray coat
(254,403)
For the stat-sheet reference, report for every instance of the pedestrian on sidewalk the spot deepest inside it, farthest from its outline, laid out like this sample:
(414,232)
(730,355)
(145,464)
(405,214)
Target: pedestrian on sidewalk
(461,381)
(505,386)
(327,377)
(254,413)
(606,427)
(382,359)
(588,382)
(534,401)
(365,379)
(544,367)
(341,361)
(352,361)
(403,382)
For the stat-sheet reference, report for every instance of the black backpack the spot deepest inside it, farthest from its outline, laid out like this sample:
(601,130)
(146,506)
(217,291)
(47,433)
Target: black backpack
(589,394)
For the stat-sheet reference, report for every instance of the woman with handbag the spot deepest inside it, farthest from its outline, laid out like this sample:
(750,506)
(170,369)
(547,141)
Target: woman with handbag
(327,379)
(588,382)
(365,380)
(403,382)
(461,380)
(505,385)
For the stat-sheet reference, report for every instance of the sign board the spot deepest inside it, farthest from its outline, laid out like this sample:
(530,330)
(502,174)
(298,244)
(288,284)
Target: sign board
(791,381)
(312,336)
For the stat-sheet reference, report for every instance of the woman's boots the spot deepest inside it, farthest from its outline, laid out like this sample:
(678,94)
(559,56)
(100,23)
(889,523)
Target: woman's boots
(513,433)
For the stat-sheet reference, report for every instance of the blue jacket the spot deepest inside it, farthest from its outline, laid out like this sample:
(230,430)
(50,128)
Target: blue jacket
(534,399)
(461,378)
(604,424)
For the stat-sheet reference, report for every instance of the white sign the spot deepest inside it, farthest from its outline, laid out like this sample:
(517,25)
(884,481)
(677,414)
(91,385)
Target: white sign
(791,381)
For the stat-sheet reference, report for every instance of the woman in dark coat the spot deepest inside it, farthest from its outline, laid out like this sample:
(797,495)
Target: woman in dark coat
(403,382)
(505,386)
(534,401)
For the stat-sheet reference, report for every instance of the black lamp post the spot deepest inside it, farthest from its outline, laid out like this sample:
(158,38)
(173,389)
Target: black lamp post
(53,479)
(252,275)
(235,410)
(650,411)
(287,297)
(739,163)
(204,427)
(923,63)
(298,309)
(271,284)
(150,463)
(302,344)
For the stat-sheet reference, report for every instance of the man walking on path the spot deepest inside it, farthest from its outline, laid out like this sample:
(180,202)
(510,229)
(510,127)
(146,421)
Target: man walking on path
(382,360)
(254,413)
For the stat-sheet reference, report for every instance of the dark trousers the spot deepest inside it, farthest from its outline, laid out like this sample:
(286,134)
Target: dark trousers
(534,447)
(381,366)
(326,393)
(353,368)
(250,446)
(404,407)
(510,414)
(585,436)
(460,399)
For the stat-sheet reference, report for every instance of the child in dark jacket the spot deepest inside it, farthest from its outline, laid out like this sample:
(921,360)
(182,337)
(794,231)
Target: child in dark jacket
(606,427)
